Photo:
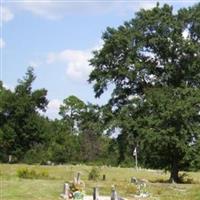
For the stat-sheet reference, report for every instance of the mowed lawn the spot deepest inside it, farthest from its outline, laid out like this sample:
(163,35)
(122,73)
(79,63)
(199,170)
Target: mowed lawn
(14,188)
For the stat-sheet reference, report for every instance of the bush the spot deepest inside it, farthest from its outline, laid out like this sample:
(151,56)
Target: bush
(31,174)
(94,174)
(131,189)
(184,178)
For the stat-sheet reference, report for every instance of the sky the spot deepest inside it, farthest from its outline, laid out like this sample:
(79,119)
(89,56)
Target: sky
(57,38)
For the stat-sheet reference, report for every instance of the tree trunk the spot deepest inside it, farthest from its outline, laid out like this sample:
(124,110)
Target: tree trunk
(174,172)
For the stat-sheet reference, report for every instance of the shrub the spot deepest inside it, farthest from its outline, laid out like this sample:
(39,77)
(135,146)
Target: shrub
(94,174)
(184,178)
(31,174)
(131,189)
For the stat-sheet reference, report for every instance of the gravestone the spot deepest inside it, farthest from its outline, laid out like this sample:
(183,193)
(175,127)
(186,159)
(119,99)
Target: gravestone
(10,158)
(134,180)
(66,193)
(114,194)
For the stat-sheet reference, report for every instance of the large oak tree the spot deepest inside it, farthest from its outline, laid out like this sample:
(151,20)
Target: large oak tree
(155,56)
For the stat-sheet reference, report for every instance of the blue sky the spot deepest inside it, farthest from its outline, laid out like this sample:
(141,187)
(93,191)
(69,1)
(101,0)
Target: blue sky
(56,38)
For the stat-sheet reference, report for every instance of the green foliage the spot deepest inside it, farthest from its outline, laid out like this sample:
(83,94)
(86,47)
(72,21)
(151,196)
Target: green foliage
(154,71)
(171,123)
(38,154)
(85,130)
(32,138)
(21,125)
(64,147)
(70,111)
(32,174)
(71,106)
(91,129)
(94,173)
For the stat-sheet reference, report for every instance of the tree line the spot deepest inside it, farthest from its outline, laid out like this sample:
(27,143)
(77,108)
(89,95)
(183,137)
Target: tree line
(30,137)
(153,65)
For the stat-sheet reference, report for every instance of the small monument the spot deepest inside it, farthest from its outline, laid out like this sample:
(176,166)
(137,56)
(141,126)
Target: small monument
(114,193)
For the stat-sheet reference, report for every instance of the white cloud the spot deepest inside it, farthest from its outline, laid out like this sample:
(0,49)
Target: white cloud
(48,9)
(76,62)
(146,4)
(6,14)
(53,108)
(123,8)
(2,43)
(53,10)
(54,104)
(8,87)
(78,66)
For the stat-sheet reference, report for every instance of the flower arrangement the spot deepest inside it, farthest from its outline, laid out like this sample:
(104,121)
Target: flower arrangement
(76,189)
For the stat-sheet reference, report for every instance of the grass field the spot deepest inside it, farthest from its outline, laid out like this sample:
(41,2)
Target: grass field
(14,188)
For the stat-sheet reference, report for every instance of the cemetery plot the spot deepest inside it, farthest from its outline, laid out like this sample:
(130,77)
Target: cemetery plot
(125,180)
